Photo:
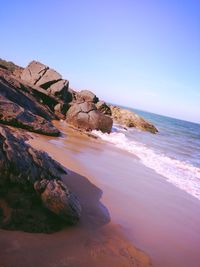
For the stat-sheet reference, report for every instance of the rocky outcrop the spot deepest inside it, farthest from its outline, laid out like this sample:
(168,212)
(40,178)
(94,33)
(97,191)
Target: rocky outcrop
(131,119)
(33,72)
(42,76)
(86,116)
(83,113)
(31,188)
(103,108)
(32,195)
(20,107)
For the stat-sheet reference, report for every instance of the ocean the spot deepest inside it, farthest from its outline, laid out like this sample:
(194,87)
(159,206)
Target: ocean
(174,152)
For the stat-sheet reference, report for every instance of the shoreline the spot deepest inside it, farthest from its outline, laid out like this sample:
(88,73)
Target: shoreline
(156,216)
(94,241)
(126,206)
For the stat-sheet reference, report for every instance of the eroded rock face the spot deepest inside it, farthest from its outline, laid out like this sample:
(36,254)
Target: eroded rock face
(14,115)
(31,188)
(42,76)
(86,116)
(20,108)
(130,119)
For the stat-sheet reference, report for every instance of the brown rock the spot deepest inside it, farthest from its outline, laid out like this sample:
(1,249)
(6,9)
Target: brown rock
(33,72)
(42,77)
(48,78)
(131,119)
(99,121)
(86,116)
(88,96)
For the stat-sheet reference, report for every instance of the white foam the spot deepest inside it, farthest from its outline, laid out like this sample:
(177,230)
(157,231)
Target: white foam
(183,175)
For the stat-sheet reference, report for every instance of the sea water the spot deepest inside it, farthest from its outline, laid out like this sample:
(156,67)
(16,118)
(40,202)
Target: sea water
(174,152)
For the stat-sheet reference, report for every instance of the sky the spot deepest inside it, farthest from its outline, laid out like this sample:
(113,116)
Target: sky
(143,54)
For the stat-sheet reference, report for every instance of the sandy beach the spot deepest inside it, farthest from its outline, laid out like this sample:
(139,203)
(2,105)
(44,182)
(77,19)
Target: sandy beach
(125,205)
(95,241)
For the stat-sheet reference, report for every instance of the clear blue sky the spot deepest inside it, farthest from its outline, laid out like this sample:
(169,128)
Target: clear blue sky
(140,53)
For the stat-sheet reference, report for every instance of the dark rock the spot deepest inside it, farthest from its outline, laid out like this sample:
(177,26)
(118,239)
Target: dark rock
(86,116)
(14,115)
(31,188)
(103,108)
(131,119)
(57,198)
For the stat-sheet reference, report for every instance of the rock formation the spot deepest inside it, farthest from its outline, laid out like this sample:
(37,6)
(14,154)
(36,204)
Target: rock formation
(86,116)
(131,119)
(32,194)
(31,187)
(48,82)
(19,107)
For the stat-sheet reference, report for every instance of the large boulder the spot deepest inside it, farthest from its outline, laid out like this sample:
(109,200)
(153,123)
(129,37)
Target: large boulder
(42,76)
(33,72)
(131,119)
(86,116)
(32,195)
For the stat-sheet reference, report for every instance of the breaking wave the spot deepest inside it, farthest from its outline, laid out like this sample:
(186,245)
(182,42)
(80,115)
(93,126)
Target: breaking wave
(182,174)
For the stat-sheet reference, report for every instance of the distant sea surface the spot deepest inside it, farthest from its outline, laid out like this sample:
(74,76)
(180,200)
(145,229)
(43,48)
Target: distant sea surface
(174,152)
